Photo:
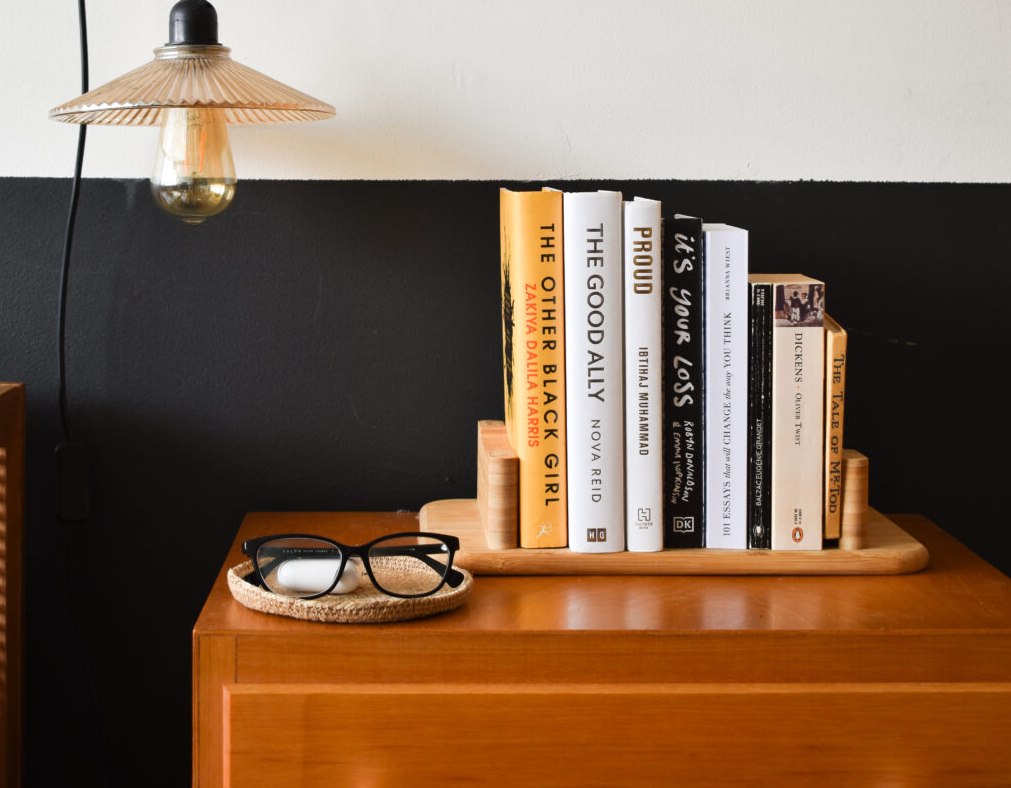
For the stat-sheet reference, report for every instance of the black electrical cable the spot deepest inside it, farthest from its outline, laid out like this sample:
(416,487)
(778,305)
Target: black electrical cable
(68,241)
(68,238)
(72,528)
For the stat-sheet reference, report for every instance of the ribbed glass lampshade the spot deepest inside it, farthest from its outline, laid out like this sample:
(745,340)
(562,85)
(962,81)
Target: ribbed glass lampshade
(192,76)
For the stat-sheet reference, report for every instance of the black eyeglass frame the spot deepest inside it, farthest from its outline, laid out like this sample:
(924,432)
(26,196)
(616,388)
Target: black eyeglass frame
(450,575)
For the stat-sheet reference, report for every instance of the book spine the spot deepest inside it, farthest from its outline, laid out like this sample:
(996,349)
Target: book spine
(726,315)
(798,370)
(835,406)
(594,350)
(508,221)
(532,265)
(643,370)
(759,416)
(683,392)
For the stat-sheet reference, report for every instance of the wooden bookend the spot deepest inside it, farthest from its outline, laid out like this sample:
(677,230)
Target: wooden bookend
(497,486)
(854,501)
(871,543)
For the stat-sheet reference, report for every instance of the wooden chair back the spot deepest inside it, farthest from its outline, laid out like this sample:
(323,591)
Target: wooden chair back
(12,508)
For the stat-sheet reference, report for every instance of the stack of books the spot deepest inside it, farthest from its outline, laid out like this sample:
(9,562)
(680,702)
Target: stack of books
(656,393)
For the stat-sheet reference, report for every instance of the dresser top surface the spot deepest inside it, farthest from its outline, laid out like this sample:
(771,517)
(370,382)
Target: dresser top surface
(957,593)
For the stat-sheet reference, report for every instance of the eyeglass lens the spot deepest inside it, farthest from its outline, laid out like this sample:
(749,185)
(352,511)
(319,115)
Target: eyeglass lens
(298,566)
(409,565)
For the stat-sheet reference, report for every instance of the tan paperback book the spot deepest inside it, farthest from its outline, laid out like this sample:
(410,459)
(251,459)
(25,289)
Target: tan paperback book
(835,402)
(798,405)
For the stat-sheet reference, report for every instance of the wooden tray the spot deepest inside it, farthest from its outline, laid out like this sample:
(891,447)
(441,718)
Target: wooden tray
(871,544)
(888,550)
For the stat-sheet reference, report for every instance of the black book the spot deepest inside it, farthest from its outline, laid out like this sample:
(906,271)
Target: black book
(683,375)
(760,417)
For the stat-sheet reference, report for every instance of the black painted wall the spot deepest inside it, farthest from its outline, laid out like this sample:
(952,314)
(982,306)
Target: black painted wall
(330,345)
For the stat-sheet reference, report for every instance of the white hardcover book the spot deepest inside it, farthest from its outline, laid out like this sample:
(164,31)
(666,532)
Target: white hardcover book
(593,359)
(643,371)
(726,388)
(798,391)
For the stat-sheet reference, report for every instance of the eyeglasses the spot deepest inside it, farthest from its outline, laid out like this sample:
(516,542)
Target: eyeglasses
(402,565)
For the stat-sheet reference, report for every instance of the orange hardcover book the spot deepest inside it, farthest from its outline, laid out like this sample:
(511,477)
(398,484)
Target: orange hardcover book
(835,401)
(533,330)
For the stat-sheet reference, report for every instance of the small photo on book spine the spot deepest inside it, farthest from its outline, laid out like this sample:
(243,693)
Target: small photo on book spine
(801,304)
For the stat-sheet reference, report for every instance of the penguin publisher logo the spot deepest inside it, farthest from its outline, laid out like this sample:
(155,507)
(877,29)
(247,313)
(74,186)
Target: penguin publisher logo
(798,534)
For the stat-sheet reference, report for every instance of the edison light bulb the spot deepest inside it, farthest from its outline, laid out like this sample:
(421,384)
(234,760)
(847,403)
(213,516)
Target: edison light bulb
(194,177)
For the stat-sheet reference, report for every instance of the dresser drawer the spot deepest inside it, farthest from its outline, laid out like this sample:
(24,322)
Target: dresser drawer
(596,734)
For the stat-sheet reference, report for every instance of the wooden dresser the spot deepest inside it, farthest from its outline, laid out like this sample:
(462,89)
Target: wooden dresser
(616,681)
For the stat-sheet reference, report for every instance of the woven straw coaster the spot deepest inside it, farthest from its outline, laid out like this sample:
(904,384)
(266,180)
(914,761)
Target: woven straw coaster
(364,605)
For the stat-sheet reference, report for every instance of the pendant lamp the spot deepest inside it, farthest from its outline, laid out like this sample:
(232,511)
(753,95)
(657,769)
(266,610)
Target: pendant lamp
(193,90)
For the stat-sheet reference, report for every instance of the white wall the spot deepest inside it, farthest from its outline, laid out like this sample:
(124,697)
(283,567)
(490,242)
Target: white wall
(894,90)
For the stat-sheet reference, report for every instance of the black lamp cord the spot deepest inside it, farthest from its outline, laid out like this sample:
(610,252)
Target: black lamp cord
(68,238)
(64,417)
(68,242)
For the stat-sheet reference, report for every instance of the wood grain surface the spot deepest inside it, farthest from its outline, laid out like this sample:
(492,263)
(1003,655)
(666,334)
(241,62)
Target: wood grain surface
(214,663)
(856,512)
(847,680)
(577,735)
(885,549)
(12,536)
(497,483)
(488,531)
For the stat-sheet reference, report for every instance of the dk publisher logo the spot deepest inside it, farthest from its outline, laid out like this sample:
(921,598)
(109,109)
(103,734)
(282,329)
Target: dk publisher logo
(684,525)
